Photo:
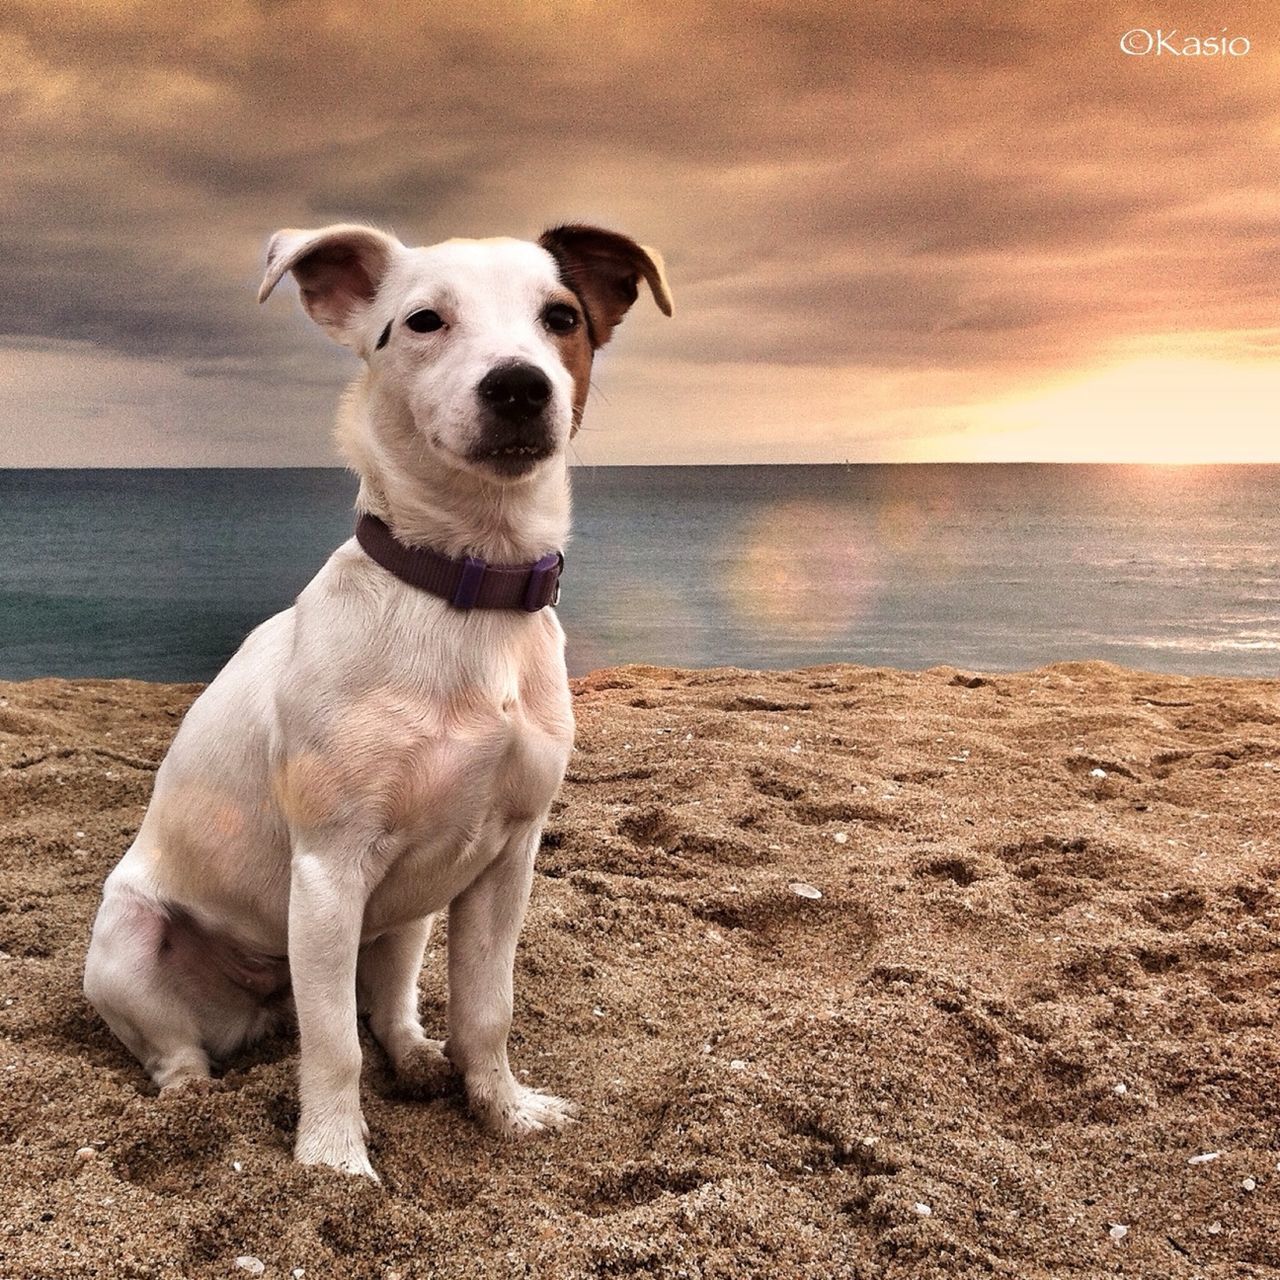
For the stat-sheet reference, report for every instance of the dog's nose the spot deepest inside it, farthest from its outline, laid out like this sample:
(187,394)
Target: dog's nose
(515,391)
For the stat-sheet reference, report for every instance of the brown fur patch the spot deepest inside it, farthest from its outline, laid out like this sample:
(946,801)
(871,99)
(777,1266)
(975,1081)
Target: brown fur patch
(576,353)
(604,270)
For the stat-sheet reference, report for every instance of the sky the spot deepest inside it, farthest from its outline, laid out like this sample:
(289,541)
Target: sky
(894,231)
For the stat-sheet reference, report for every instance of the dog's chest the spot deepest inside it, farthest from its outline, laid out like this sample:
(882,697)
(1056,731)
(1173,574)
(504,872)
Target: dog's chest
(508,760)
(454,792)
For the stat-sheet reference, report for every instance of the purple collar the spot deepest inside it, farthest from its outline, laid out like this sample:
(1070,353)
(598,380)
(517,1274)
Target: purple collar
(466,582)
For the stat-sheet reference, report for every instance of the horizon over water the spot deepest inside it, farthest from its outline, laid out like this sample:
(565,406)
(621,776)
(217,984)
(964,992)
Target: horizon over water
(159,573)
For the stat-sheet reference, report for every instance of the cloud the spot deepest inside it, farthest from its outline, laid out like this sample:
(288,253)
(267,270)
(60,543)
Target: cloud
(850,193)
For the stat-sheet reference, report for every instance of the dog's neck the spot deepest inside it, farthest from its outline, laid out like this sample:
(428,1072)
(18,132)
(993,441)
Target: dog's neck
(450,508)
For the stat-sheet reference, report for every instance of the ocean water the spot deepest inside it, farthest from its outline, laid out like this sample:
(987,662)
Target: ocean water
(160,574)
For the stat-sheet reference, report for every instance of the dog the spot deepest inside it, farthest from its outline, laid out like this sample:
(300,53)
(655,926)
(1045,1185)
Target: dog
(390,745)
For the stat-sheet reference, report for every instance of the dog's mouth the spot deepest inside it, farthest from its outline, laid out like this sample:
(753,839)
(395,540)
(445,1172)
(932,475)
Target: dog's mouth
(513,459)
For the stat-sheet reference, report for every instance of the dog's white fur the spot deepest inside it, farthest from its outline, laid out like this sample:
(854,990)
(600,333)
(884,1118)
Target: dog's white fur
(371,755)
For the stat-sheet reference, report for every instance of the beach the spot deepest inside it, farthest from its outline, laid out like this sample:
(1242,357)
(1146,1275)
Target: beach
(855,972)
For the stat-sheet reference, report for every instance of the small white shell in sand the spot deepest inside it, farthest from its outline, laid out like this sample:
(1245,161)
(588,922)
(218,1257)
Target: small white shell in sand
(1118,1231)
(802,890)
(1205,1157)
(254,1266)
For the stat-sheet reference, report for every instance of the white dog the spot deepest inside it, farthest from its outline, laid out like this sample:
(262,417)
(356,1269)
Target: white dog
(389,746)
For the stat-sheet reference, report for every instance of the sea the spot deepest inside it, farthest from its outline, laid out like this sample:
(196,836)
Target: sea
(160,574)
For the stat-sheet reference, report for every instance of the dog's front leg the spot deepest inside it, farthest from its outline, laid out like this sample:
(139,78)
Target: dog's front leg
(484,925)
(326,910)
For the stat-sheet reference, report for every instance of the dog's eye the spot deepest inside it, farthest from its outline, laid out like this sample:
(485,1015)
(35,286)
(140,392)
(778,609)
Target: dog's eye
(425,321)
(559,317)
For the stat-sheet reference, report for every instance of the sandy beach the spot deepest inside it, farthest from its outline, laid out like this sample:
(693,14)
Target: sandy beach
(854,972)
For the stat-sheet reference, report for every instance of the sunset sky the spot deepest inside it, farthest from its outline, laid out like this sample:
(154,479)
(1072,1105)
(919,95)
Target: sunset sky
(894,231)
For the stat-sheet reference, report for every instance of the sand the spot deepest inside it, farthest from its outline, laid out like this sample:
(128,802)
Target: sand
(1039,989)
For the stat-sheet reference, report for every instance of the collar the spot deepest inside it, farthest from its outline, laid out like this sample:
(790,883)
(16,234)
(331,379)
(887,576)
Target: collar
(466,582)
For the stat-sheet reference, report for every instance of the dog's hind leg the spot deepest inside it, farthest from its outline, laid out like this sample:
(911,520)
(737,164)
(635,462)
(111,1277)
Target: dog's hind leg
(387,985)
(126,980)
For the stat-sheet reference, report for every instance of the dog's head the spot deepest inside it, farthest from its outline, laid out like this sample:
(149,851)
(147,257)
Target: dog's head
(489,343)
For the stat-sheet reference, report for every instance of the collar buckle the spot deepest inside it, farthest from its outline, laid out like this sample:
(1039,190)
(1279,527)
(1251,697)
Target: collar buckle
(544,583)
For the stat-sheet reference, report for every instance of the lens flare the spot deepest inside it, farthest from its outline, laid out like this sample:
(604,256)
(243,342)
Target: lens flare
(800,551)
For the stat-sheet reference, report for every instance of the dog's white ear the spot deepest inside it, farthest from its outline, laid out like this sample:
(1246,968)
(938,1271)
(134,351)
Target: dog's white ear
(604,269)
(338,270)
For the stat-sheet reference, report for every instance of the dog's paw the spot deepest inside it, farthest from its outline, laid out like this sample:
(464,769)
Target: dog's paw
(525,1111)
(344,1151)
(188,1086)
(423,1071)
(184,1071)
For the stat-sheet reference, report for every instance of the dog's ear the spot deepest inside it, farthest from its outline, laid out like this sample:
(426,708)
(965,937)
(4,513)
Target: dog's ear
(338,270)
(604,269)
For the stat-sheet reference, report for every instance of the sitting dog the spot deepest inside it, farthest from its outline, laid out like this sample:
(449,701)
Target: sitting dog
(391,744)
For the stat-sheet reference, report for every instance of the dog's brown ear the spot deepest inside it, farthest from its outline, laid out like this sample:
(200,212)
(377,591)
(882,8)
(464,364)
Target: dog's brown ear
(338,270)
(604,269)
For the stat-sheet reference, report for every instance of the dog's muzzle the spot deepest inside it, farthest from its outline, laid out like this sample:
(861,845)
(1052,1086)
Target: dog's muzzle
(517,434)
